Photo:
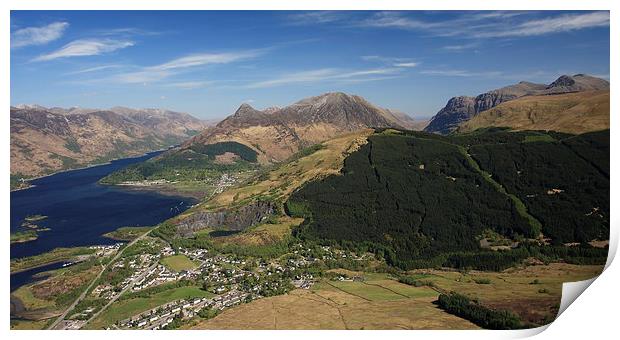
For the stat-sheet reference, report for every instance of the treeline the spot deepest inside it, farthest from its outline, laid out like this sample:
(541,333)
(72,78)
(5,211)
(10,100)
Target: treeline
(485,260)
(212,150)
(462,306)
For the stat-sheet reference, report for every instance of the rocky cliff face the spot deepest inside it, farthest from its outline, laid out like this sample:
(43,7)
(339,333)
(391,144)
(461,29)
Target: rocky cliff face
(457,110)
(453,115)
(47,140)
(237,219)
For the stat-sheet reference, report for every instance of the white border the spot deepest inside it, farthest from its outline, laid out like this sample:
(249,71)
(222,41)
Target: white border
(593,315)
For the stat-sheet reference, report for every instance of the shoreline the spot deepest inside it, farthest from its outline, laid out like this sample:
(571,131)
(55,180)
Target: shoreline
(86,167)
(37,266)
(162,190)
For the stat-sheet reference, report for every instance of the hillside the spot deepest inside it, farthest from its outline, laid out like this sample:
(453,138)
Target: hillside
(418,198)
(44,140)
(571,113)
(461,109)
(274,135)
(253,201)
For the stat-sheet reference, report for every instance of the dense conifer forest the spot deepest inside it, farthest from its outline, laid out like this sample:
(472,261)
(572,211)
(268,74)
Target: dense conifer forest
(425,200)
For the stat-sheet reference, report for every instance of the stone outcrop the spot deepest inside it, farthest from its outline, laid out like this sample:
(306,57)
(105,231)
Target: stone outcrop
(231,219)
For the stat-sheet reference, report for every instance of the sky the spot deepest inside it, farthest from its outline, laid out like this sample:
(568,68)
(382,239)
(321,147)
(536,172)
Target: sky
(207,63)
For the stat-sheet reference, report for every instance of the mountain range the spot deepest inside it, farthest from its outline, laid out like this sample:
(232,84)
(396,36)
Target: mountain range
(277,133)
(46,140)
(462,108)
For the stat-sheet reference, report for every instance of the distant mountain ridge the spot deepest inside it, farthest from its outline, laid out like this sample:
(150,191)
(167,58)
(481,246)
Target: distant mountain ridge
(46,140)
(463,108)
(277,133)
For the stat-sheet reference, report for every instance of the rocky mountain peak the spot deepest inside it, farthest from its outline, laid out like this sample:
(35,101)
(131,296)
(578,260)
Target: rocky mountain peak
(563,80)
(245,110)
(460,109)
(272,109)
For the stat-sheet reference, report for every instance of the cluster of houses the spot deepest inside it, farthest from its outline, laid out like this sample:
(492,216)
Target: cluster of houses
(106,250)
(161,316)
(304,281)
(142,267)
(225,181)
(157,276)
(144,183)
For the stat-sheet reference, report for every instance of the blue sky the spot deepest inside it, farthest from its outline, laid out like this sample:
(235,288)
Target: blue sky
(208,63)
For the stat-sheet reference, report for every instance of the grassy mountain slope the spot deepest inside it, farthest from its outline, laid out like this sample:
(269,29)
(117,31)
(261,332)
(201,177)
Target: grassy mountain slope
(571,113)
(461,109)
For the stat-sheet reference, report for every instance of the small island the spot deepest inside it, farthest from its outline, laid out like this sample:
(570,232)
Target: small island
(24,236)
(35,218)
(33,229)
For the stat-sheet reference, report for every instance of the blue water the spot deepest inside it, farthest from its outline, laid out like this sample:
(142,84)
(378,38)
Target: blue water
(29,276)
(79,210)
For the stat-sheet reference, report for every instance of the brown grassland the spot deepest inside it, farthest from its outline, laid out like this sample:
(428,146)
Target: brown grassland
(571,113)
(381,302)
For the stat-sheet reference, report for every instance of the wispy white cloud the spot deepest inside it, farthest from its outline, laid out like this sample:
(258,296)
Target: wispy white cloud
(460,47)
(85,47)
(38,35)
(125,31)
(409,64)
(391,61)
(208,58)
(189,85)
(460,73)
(140,77)
(150,74)
(325,74)
(315,17)
(563,23)
(95,69)
(489,24)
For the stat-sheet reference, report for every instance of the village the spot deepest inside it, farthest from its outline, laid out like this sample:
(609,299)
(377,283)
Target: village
(229,279)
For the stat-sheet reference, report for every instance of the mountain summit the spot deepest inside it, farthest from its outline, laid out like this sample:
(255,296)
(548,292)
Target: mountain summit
(276,133)
(462,109)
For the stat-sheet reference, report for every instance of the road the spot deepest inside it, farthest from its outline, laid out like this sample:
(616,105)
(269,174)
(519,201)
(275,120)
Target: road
(128,287)
(85,292)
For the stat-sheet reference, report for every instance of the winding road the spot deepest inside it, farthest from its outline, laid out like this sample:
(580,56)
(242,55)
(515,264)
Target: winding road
(85,292)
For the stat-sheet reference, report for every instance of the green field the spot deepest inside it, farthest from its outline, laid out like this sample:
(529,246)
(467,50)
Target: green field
(178,263)
(378,287)
(125,308)
(31,302)
(127,233)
